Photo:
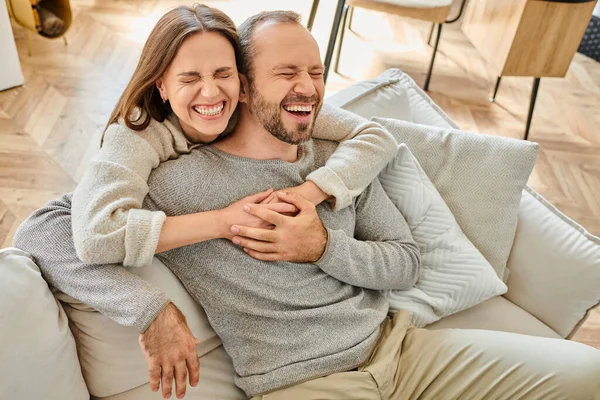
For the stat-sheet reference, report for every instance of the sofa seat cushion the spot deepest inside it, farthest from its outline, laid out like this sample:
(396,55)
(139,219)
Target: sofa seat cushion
(38,357)
(496,314)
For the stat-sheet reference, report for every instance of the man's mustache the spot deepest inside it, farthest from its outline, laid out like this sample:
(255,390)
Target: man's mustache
(301,99)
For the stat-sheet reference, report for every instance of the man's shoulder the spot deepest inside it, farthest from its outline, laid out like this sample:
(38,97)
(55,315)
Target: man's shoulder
(323,149)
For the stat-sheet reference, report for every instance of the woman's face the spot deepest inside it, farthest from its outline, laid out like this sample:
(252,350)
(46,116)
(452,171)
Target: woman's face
(202,85)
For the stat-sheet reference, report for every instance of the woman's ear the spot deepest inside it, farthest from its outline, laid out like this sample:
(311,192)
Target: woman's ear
(161,88)
(244,88)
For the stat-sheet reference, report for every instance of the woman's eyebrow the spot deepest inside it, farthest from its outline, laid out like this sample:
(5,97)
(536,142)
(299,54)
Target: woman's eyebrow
(189,73)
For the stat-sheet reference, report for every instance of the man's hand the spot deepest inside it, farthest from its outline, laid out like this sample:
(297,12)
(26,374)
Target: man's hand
(235,214)
(170,350)
(301,238)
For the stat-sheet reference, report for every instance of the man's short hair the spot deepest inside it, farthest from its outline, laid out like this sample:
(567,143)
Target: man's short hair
(247,28)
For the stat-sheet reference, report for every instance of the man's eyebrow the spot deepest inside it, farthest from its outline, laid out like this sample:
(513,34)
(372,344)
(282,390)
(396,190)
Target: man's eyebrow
(286,66)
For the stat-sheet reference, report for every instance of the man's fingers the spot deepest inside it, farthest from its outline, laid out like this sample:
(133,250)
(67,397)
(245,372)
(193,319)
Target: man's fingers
(180,379)
(257,245)
(167,380)
(301,202)
(265,235)
(264,256)
(265,214)
(282,208)
(154,375)
(193,366)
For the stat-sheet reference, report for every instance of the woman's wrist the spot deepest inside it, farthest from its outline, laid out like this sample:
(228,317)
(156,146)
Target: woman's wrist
(313,193)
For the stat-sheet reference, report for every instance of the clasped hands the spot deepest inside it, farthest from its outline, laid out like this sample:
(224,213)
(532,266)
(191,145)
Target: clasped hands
(279,226)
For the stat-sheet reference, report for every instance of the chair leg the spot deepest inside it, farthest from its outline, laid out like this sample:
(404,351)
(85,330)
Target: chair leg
(435,47)
(65,40)
(431,33)
(335,27)
(339,52)
(350,17)
(493,98)
(313,14)
(534,93)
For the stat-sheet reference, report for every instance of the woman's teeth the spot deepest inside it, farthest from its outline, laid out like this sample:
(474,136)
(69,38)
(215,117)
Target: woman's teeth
(215,110)
(298,108)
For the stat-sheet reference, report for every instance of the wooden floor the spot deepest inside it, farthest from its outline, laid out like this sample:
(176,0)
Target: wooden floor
(50,127)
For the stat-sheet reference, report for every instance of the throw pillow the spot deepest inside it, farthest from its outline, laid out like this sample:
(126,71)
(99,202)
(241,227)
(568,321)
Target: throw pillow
(454,275)
(480,178)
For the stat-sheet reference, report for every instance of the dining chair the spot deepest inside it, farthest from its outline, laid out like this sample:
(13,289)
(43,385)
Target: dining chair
(435,11)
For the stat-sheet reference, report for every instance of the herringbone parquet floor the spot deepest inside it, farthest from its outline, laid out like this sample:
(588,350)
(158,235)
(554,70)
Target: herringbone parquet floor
(50,127)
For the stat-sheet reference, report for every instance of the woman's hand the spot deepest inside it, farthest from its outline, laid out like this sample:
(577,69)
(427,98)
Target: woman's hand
(308,190)
(235,214)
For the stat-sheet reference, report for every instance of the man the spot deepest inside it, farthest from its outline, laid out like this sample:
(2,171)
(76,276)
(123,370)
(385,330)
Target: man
(314,325)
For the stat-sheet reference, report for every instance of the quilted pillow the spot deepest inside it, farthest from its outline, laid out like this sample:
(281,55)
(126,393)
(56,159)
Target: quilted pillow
(454,275)
(480,177)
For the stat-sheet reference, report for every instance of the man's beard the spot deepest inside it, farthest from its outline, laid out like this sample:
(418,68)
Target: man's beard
(269,116)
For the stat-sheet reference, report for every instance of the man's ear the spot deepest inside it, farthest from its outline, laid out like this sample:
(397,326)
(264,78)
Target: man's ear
(161,88)
(244,88)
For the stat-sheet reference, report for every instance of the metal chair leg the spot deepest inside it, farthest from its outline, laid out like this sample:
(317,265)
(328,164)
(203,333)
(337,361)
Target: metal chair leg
(339,52)
(534,93)
(431,33)
(313,14)
(435,47)
(337,19)
(493,98)
(350,17)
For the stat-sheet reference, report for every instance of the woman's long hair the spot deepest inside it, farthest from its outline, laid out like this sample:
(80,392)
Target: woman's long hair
(141,94)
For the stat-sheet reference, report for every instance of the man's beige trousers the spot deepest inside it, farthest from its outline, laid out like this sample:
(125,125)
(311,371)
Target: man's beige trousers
(410,363)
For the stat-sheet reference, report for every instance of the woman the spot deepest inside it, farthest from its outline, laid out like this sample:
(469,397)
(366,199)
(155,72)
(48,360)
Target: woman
(183,93)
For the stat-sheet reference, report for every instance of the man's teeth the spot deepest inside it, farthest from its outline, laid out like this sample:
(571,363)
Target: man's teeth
(210,111)
(298,108)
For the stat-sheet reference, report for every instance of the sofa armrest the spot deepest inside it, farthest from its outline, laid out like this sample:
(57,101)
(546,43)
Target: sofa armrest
(554,266)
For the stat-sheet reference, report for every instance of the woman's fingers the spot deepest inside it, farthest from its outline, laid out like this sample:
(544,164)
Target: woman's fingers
(258,198)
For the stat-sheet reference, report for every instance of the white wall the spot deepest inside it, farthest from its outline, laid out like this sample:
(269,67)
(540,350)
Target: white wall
(597,10)
(10,68)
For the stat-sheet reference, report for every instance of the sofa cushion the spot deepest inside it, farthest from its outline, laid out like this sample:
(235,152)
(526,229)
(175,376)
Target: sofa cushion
(454,275)
(496,314)
(480,177)
(216,382)
(38,358)
(555,266)
(111,359)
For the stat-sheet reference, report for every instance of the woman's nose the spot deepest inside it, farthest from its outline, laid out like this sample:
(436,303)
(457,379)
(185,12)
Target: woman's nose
(210,89)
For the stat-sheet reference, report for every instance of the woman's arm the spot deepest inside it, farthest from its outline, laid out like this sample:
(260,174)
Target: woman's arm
(109,225)
(365,148)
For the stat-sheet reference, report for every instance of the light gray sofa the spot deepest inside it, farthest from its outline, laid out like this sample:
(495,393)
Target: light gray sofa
(554,281)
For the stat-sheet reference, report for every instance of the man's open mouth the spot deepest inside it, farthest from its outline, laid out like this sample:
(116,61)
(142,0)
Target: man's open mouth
(299,110)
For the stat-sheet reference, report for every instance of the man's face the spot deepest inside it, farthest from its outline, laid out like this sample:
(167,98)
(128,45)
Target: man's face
(286,89)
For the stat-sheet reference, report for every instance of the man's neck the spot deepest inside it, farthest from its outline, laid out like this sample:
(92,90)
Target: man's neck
(251,140)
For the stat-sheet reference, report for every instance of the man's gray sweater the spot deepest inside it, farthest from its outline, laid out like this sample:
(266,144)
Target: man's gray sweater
(282,323)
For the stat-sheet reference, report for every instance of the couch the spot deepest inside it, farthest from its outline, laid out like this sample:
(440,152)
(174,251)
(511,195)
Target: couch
(554,282)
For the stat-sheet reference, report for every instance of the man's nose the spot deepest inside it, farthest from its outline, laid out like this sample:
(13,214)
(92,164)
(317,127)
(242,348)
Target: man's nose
(210,89)
(305,85)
